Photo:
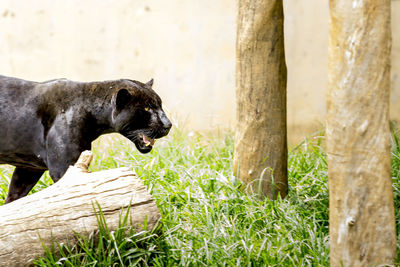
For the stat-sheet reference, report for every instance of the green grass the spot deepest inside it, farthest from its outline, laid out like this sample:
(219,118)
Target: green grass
(206,219)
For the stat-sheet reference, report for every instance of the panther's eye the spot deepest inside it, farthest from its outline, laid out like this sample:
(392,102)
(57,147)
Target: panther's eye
(147,108)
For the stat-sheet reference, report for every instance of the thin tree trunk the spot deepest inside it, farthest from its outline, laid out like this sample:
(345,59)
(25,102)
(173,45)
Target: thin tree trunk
(260,157)
(362,224)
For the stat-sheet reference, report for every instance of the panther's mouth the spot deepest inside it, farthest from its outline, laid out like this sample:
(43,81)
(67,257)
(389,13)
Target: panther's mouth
(144,143)
(147,140)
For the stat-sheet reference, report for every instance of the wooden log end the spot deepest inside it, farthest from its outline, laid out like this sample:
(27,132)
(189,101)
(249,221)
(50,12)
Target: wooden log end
(84,161)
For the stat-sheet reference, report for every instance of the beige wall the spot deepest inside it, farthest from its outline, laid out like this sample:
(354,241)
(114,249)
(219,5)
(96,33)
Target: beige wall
(187,46)
(307,33)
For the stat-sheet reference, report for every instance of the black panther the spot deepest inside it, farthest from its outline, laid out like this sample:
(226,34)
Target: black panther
(46,125)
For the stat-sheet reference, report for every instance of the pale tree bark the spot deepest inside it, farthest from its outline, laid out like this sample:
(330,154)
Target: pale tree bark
(362,224)
(58,212)
(260,157)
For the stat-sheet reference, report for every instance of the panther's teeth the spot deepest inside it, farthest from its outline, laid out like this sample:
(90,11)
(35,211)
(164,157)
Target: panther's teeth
(148,141)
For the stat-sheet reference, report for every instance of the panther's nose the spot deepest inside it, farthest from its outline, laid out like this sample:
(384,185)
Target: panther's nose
(167,125)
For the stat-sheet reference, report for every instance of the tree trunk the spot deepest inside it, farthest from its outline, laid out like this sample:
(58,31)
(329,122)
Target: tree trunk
(67,207)
(362,224)
(260,157)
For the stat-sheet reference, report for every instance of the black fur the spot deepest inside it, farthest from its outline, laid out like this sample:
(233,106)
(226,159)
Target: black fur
(47,125)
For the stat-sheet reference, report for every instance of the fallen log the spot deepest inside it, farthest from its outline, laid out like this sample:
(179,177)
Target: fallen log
(58,212)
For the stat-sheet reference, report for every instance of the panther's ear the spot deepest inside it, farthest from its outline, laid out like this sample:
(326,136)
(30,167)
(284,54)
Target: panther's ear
(150,83)
(122,98)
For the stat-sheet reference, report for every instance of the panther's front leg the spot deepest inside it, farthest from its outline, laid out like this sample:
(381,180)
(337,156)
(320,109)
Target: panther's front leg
(64,145)
(59,160)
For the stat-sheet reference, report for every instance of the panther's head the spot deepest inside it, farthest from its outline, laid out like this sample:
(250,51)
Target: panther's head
(138,115)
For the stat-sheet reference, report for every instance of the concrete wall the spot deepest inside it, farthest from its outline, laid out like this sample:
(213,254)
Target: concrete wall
(187,46)
(307,36)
